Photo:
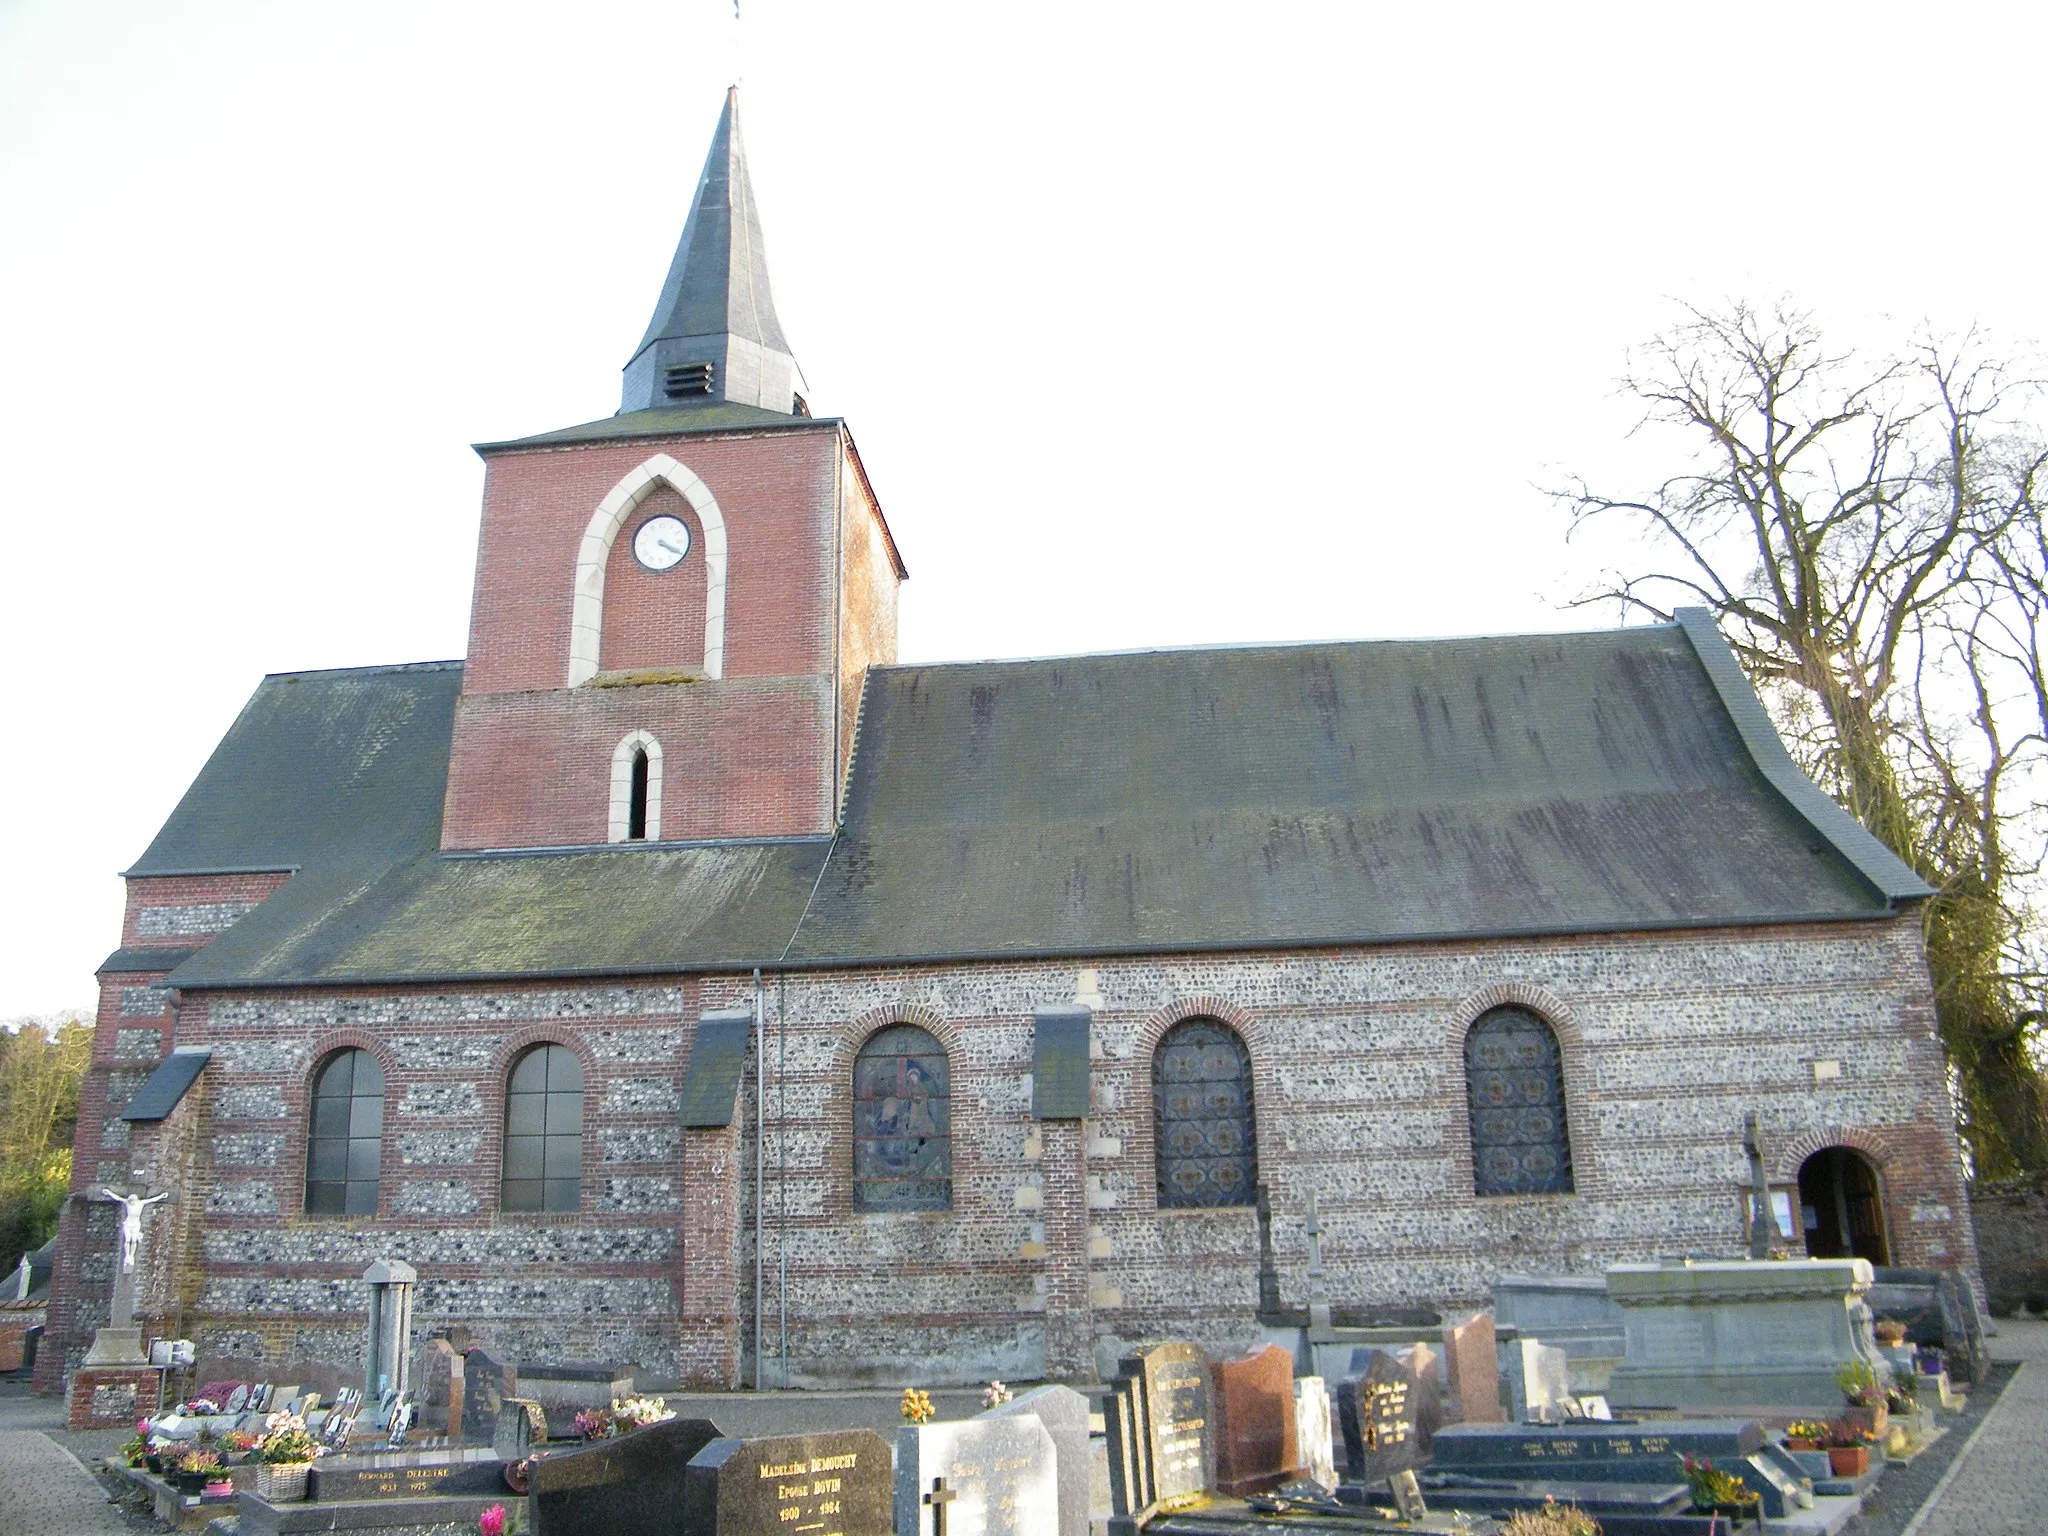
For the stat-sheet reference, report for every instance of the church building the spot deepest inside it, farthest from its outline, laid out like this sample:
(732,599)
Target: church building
(679,979)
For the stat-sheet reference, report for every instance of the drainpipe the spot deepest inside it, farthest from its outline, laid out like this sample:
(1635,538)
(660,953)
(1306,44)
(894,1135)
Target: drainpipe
(760,1144)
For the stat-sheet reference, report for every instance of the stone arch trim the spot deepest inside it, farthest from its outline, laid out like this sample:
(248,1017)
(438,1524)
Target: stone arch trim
(620,819)
(839,1118)
(1788,1159)
(298,1108)
(1588,1176)
(1265,1092)
(586,624)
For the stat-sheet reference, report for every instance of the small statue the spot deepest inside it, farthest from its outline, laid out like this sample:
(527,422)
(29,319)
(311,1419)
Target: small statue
(1763,1218)
(132,1207)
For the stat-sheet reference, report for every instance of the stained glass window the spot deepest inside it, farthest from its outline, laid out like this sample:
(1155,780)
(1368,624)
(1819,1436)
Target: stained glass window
(1202,1103)
(902,1123)
(544,1132)
(346,1139)
(1515,1077)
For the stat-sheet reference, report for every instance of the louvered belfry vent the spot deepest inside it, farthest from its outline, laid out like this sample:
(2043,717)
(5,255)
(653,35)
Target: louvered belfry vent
(686,381)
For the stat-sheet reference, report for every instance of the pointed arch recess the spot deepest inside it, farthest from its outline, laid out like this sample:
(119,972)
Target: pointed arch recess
(621,819)
(586,625)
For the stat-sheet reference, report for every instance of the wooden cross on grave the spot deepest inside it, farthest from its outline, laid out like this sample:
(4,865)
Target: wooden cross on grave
(939,1498)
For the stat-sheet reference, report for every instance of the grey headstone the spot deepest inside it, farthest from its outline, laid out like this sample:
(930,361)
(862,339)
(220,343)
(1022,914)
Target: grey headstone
(997,1477)
(1539,1378)
(1064,1413)
(521,1426)
(1312,1431)
(629,1485)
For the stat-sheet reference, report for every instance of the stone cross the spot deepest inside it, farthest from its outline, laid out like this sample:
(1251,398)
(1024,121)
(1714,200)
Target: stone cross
(939,1498)
(122,1312)
(1318,1282)
(1763,1221)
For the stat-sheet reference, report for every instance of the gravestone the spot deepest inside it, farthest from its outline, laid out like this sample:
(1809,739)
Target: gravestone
(521,1426)
(977,1477)
(1648,1451)
(564,1390)
(486,1383)
(237,1399)
(1257,1444)
(629,1485)
(1064,1413)
(1426,1366)
(441,1383)
(837,1483)
(1161,1434)
(1539,1380)
(1937,1310)
(1312,1438)
(1472,1370)
(1377,1408)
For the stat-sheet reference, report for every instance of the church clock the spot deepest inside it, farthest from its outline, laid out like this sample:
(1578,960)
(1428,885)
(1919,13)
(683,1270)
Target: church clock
(660,542)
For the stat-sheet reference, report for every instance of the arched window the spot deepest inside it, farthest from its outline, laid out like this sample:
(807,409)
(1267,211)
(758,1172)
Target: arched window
(636,790)
(1514,1076)
(1202,1108)
(902,1123)
(346,1140)
(544,1132)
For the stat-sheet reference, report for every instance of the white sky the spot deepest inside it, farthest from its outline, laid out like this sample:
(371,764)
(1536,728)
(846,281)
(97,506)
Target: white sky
(1156,324)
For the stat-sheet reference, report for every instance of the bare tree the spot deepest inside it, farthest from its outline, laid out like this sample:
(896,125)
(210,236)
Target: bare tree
(1861,530)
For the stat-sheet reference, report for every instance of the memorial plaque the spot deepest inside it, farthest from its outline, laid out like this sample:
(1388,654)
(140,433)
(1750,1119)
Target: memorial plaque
(1316,1446)
(1257,1444)
(1426,1365)
(834,1484)
(1645,1452)
(408,1475)
(1064,1413)
(1377,1408)
(1161,1434)
(1472,1370)
(977,1477)
(629,1485)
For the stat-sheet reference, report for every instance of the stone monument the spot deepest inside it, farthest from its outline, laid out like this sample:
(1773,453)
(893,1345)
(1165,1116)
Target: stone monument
(977,1477)
(838,1482)
(1064,1413)
(1160,1428)
(389,1355)
(1741,1334)
(1257,1443)
(1313,1440)
(627,1485)
(116,1384)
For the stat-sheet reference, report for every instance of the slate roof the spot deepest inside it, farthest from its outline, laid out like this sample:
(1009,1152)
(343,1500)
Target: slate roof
(1240,797)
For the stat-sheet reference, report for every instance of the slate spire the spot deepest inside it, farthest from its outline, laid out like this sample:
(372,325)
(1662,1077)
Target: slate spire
(714,335)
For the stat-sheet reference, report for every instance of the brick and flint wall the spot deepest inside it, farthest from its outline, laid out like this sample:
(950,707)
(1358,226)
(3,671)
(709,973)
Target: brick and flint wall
(1054,1237)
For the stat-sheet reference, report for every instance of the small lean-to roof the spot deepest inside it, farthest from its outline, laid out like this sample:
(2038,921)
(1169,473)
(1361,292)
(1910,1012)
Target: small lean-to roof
(1297,795)
(168,1084)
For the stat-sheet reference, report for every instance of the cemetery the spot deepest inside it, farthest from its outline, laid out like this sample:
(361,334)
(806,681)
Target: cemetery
(1700,1396)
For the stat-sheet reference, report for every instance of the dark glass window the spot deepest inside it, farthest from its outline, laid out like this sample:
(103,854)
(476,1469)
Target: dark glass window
(1202,1103)
(636,809)
(544,1132)
(346,1140)
(902,1123)
(1514,1075)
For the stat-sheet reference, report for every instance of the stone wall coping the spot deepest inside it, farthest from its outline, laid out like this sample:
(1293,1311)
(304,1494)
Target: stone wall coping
(1712,1280)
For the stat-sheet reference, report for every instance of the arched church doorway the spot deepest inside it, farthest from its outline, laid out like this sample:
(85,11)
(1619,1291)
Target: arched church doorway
(1842,1206)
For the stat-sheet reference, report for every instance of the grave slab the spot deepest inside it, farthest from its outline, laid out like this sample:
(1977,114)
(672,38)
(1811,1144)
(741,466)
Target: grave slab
(628,1485)
(977,1477)
(457,1512)
(405,1474)
(1591,1451)
(1064,1413)
(834,1484)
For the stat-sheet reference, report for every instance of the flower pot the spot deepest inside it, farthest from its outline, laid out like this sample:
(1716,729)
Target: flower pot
(1849,1460)
(1875,1417)
(218,1488)
(282,1482)
(1792,1444)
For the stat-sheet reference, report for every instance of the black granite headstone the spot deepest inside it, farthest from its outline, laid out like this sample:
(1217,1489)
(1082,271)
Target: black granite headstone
(1646,1452)
(1377,1410)
(625,1486)
(486,1383)
(839,1483)
(1161,1433)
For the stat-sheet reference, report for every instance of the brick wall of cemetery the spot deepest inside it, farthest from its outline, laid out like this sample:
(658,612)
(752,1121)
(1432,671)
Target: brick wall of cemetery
(1358,1074)
(2012,1242)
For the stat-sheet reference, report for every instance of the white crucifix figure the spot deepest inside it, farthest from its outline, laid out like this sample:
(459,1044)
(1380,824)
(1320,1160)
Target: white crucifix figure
(132,1207)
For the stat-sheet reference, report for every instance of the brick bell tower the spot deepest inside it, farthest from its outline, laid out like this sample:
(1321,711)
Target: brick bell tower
(675,606)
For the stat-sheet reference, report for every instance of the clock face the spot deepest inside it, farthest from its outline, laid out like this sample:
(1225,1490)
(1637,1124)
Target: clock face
(661,541)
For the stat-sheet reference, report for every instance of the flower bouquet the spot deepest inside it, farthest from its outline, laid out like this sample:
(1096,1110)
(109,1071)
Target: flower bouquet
(595,1424)
(1806,1435)
(917,1406)
(627,1413)
(284,1454)
(994,1395)
(1716,1492)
